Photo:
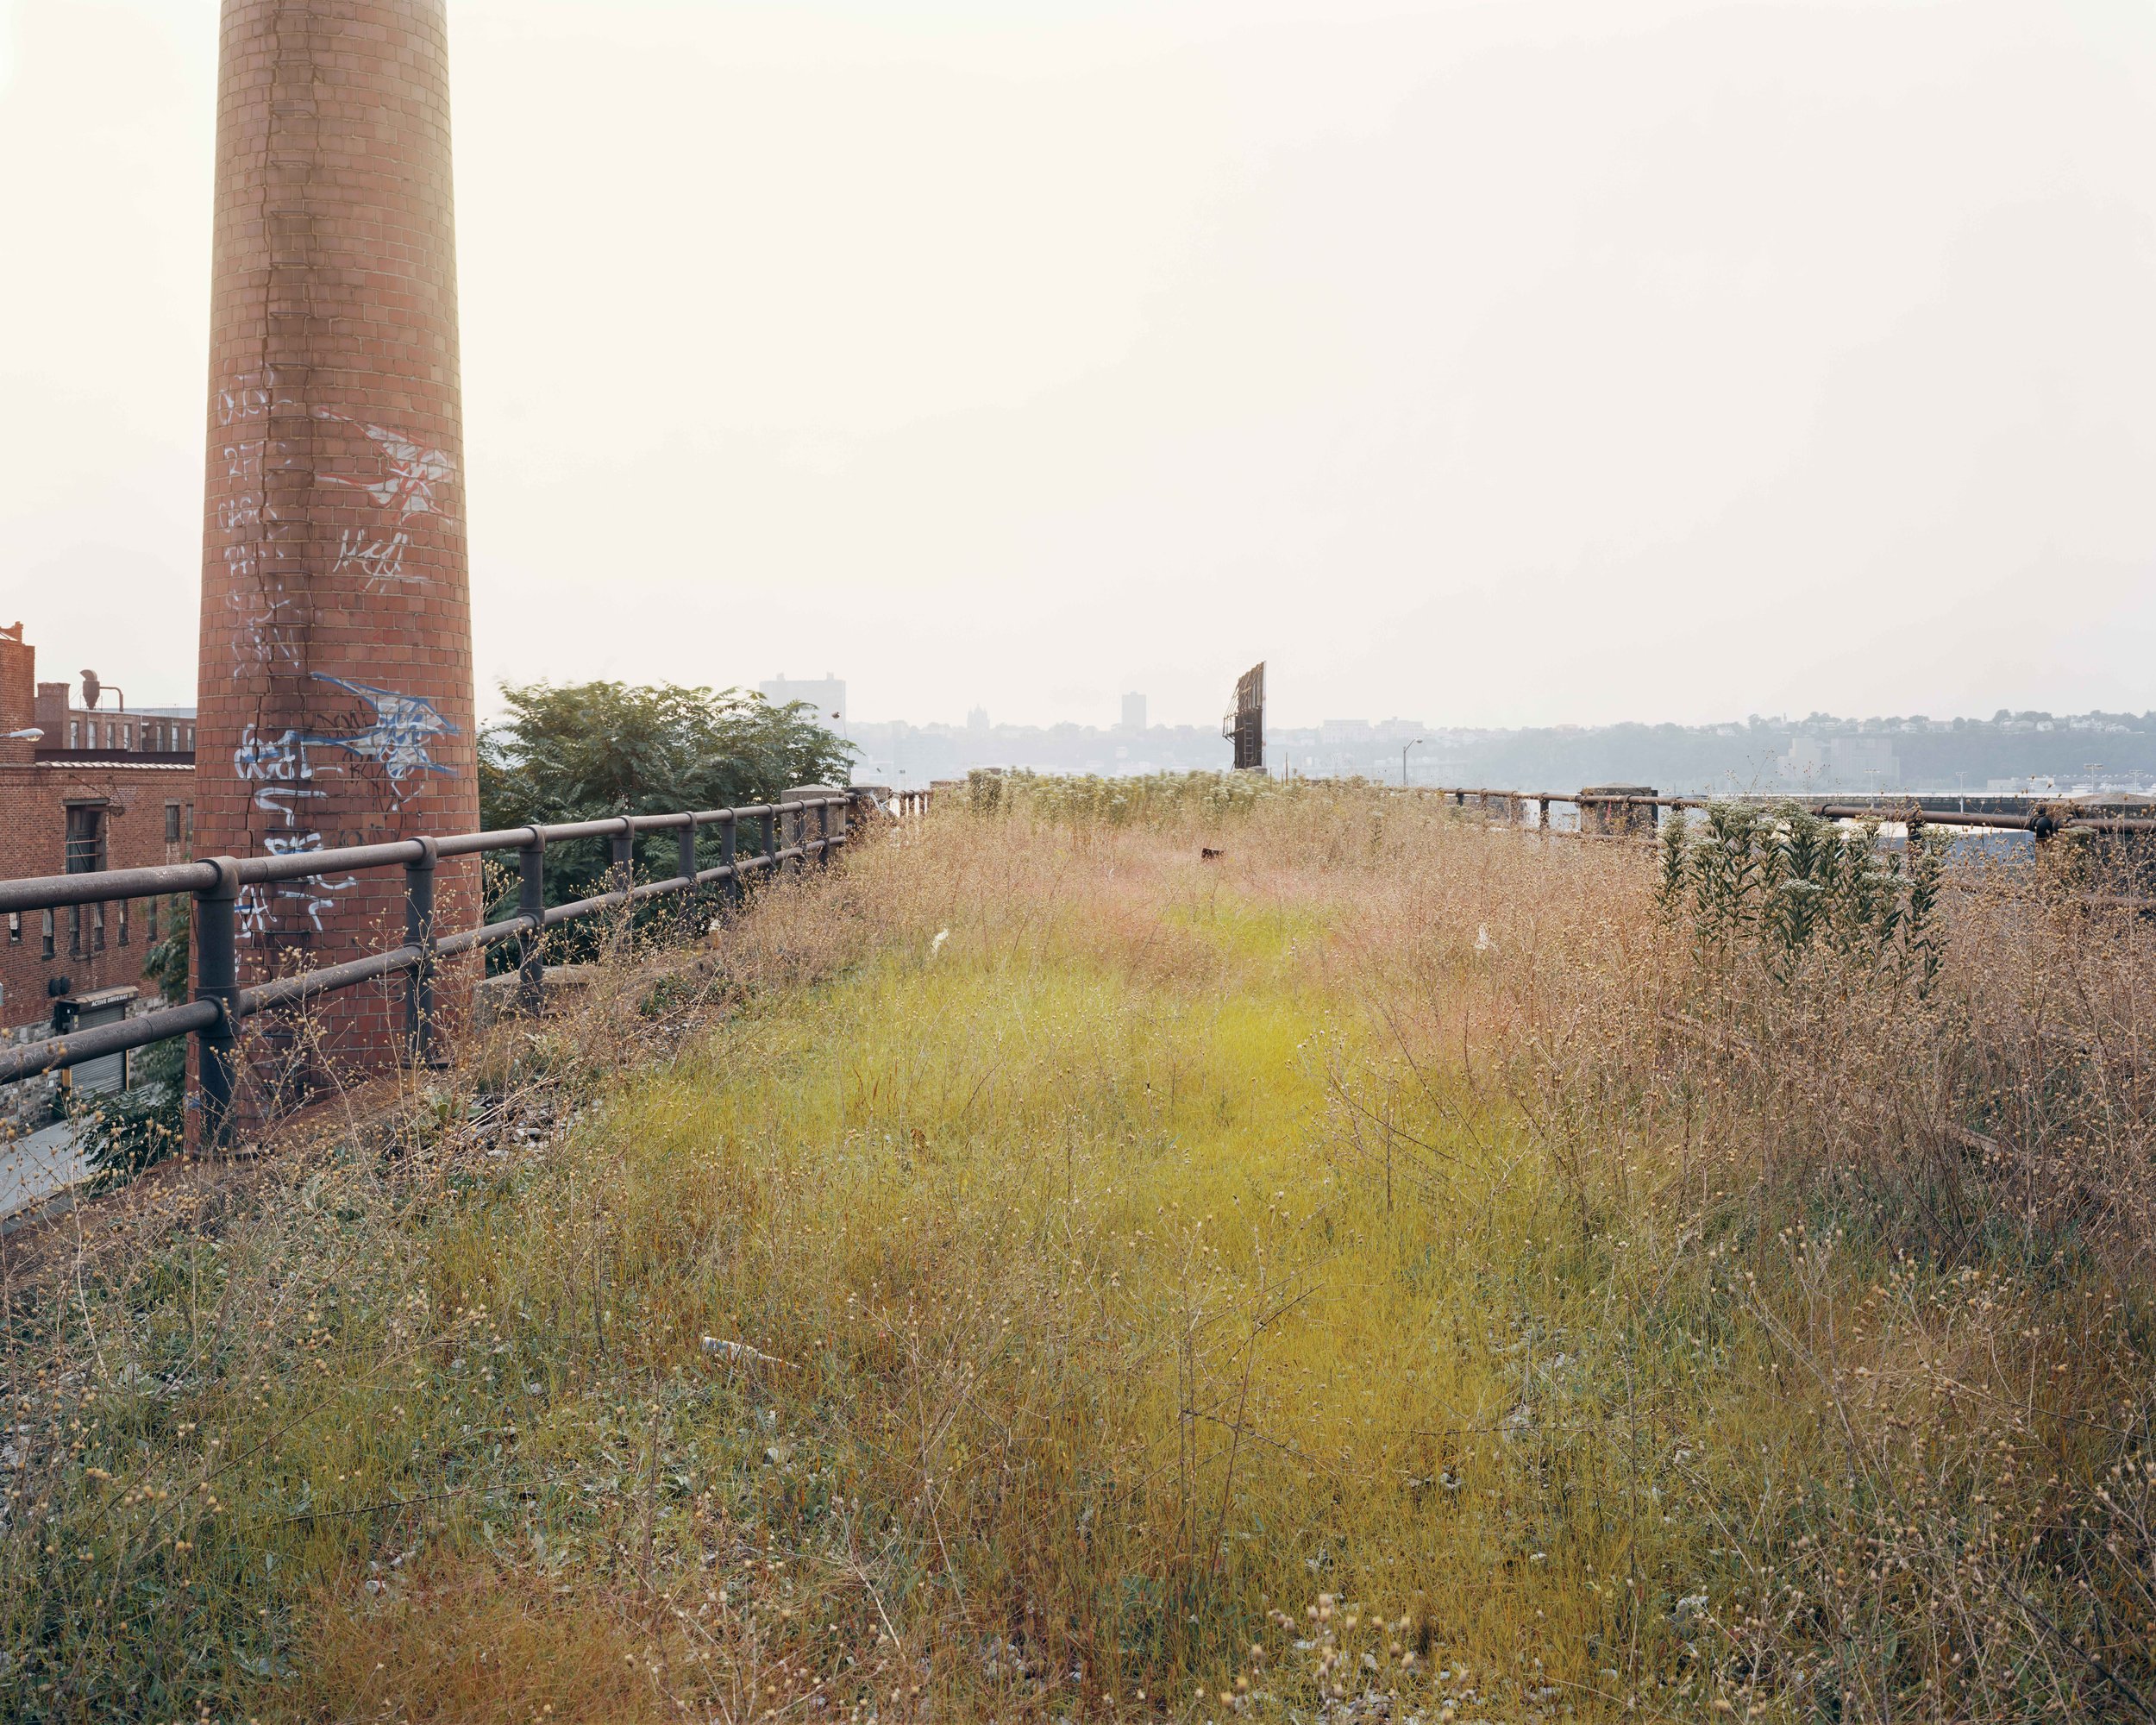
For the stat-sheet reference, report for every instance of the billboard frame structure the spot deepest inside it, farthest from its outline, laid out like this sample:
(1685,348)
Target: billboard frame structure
(1245,722)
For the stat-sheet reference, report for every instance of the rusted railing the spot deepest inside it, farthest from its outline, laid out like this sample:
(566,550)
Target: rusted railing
(2043,820)
(221,1004)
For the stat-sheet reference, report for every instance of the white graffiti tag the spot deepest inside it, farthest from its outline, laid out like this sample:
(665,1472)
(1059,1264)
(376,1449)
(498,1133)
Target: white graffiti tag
(258,549)
(413,478)
(278,770)
(254,913)
(262,628)
(381,560)
(317,894)
(414,471)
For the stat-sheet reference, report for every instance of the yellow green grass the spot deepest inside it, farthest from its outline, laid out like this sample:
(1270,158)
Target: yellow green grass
(1049,1275)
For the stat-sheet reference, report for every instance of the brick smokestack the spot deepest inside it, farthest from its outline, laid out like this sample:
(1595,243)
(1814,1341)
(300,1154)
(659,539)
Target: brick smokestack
(335,694)
(18,696)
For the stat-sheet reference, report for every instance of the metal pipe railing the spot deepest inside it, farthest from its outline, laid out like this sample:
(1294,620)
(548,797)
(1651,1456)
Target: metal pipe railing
(221,1004)
(2043,821)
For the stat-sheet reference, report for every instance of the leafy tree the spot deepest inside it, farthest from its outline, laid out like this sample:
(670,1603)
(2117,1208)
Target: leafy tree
(165,966)
(581,751)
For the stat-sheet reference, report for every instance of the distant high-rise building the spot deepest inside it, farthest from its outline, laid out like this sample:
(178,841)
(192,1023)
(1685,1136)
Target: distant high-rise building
(977,718)
(1134,712)
(1841,763)
(827,694)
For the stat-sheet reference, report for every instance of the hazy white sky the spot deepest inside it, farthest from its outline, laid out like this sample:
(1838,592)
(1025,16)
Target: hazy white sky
(1518,362)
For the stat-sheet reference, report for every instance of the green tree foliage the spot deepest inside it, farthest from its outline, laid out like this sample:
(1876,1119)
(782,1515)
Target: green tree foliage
(165,966)
(581,751)
(124,1134)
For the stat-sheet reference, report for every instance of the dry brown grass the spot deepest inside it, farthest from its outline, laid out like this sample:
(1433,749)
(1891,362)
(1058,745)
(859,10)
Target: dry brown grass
(470,1640)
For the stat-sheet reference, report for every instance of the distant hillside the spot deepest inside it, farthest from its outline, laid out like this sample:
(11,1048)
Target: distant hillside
(1822,752)
(1819,753)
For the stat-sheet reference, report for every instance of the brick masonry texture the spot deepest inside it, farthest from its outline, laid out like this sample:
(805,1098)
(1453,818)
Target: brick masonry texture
(92,953)
(335,691)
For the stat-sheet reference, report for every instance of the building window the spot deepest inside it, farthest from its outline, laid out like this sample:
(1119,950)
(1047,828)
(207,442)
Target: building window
(97,928)
(172,823)
(86,838)
(74,930)
(74,733)
(152,935)
(15,928)
(187,834)
(123,920)
(47,932)
(127,736)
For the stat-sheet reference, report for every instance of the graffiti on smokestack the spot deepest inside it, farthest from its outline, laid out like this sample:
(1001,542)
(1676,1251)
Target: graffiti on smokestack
(412,473)
(413,470)
(255,537)
(399,742)
(257,904)
(278,768)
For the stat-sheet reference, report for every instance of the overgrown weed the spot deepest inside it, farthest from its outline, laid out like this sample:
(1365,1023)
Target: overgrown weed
(1036,1271)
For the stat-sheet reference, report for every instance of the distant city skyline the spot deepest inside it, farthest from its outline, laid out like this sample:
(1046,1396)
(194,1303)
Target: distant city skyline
(2020,751)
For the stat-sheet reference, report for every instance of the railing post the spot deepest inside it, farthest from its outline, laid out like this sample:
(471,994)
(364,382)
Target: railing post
(625,857)
(731,889)
(218,978)
(419,1025)
(770,822)
(685,865)
(823,835)
(531,903)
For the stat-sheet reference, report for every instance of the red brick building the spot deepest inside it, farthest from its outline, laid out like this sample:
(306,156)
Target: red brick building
(82,788)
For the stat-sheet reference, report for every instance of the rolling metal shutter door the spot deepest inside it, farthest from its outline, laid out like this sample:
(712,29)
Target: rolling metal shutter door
(108,1073)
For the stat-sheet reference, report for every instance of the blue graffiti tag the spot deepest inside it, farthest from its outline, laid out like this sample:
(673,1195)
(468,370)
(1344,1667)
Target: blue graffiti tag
(401,739)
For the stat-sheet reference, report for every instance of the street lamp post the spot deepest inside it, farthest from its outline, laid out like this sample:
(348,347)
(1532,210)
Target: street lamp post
(1404,747)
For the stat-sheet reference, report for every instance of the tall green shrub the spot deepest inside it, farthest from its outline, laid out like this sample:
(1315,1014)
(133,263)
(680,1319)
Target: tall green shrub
(581,751)
(1777,885)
